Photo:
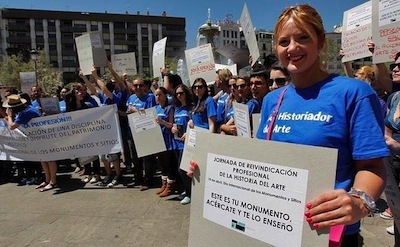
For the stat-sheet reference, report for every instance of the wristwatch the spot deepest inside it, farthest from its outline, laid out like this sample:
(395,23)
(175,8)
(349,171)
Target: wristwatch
(368,201)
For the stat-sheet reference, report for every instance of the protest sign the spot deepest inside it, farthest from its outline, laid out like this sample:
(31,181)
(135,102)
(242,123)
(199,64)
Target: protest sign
(124,63)
(357,32)
(242,119)
(256,118)
(91,52)
(249,34)
(28,80)
(50,106)
(235,54)
(189,147)
(69,135)
(386,29)
(146,132)
(200,63)
(246,198)
(159,56)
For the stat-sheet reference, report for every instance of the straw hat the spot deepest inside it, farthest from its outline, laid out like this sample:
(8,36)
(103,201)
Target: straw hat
(14,100)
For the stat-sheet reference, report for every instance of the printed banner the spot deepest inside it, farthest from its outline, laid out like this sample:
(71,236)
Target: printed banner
(69,135)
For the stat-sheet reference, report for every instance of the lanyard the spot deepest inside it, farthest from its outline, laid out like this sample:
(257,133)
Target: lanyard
(274,114)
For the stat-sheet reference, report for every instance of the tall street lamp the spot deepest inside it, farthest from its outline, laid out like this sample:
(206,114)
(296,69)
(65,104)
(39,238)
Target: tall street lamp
(34,57)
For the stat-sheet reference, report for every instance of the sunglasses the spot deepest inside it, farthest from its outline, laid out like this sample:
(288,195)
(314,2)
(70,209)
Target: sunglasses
(257,83)
(179,94)
(198,87)
(278,81)
(138,85)
(233,86)
(241,86)
(394,65)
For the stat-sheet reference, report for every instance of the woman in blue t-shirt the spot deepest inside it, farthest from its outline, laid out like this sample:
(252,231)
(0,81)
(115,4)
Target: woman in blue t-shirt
(205,111)
(166,160)
(182,99)
(327,110)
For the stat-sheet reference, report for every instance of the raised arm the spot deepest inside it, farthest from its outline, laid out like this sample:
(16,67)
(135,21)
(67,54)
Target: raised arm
(117,78)
(101,84)
(347,66)
(88,84)
(165,75)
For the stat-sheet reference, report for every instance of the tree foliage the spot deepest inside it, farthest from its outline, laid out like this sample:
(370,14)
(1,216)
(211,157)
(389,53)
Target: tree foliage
(48,77)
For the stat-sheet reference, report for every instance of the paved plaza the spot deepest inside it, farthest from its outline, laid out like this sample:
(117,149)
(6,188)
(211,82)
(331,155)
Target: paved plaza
(87,215)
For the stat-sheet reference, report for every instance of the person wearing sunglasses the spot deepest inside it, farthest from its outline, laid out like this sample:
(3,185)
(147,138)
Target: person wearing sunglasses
(228,127)
(204,113)
(183,102)
(141,100)
(259,77)
(278,77)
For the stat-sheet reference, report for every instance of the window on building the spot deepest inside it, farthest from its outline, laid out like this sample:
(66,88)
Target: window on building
(51,23)
(119,25)
(131,25)
(79,24)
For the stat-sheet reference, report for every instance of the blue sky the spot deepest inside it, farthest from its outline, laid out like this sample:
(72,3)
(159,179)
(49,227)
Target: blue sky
(263,12)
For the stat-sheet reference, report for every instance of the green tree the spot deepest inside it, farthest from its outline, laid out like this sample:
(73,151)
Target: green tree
(10,69)
(48,77)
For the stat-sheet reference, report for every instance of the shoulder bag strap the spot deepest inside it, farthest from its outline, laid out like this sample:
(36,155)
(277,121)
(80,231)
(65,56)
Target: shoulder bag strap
(274,114)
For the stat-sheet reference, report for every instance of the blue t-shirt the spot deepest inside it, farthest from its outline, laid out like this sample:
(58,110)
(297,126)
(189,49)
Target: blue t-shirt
(106,101)
(200,119)
(144,102)
(63,106)
(181,118)
(92,101)
(24,116)
(338,112)
(254,106)
(167,134)
(222,105)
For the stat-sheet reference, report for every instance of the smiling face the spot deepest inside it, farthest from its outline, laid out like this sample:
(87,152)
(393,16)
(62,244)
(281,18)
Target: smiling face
(243,88)
(298,50)
(258,87)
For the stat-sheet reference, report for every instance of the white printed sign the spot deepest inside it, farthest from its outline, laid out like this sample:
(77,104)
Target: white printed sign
(357,32)
(249,34)
(386,30)
(124,63)
(159,56)
(200,63)
(233,188)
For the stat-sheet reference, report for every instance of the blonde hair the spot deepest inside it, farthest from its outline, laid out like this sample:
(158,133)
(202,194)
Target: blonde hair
(224,74)
(367,72)
(304,16)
